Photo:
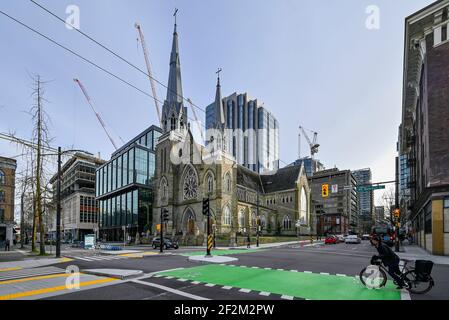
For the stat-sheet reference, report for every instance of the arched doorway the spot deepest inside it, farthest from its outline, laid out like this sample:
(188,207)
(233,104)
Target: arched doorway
(188,224)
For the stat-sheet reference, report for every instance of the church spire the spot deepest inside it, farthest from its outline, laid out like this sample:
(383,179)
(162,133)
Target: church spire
(174,115)
(219,112)
(174,91)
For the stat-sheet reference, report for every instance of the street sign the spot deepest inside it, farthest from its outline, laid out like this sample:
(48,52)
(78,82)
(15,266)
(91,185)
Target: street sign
(334,188)
(325,190)
(369,188)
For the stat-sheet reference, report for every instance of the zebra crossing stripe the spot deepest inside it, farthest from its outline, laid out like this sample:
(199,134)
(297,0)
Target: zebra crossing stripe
(227,287)
(84,259)
(245,290)
(263,293)
(286,297)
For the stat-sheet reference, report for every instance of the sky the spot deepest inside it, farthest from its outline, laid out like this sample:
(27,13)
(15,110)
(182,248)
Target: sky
(313,63)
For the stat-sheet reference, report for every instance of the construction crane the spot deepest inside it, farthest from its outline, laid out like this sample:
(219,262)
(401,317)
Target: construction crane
(196,119)
(313,144)
(89,100)
(150,73)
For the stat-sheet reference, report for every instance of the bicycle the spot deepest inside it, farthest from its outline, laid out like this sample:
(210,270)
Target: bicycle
(418,280)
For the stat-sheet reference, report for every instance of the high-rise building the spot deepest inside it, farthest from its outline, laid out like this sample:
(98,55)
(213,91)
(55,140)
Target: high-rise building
(252,132)
(310,165)
(336,213)
(365,202)
(124,188)
(79,208)
(423,144)
(379,215)
(7,186)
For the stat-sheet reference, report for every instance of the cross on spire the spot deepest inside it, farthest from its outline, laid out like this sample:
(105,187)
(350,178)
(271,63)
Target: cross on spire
(175,14)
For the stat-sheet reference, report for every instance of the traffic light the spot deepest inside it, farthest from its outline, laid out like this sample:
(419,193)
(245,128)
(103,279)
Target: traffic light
(206,206)
(397,213)
(325,190)
(165,217)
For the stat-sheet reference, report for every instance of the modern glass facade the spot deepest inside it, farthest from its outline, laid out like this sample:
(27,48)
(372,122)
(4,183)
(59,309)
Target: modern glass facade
(124,187)
(254,138)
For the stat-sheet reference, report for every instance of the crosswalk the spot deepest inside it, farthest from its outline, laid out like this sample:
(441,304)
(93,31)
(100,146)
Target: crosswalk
(31,272)
(91,258)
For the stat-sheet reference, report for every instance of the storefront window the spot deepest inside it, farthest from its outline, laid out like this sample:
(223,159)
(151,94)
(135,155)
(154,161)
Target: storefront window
(428,218)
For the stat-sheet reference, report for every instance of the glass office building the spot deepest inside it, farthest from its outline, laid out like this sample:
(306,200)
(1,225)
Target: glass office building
(254,132)
(124,188)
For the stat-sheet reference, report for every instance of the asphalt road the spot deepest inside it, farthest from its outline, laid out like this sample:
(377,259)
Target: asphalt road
(340,259)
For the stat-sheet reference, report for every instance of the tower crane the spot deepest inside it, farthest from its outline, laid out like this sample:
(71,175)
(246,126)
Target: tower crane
(313,144)
(150,73)
(83,89)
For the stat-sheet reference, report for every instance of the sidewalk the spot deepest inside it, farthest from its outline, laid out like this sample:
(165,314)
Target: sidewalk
(25,264)
(414,252)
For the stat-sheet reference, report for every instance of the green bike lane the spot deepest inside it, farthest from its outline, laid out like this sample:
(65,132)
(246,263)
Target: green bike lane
(313,286)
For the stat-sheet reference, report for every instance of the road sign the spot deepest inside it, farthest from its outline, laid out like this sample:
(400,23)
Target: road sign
(334,188)
(369,188)
(325,190)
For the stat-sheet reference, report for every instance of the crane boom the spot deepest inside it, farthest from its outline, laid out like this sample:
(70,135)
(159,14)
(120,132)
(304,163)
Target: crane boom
(150,73)
(83,89)
(313,144)
(196,118)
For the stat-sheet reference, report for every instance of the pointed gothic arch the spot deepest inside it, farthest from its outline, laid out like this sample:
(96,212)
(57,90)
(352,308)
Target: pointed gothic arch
(189,183)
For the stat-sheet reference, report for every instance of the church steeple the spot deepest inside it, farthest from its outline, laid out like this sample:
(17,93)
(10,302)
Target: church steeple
(219,112)
(174,115)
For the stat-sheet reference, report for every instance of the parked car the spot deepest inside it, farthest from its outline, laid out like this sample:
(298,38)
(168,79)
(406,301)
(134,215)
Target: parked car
(366,237)
(168,243)
(331,240)
(352,239)
(340,237)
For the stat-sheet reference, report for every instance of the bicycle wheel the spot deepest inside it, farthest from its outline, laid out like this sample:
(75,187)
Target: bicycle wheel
(373,277)
(416,284)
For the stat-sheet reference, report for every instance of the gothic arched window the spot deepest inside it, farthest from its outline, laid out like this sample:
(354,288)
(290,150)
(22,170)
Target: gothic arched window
(287,223)
(2,178)
(190,185)
(228,182)
(304,205)
(164,189)
(227,216)
(209,183)
(241,218)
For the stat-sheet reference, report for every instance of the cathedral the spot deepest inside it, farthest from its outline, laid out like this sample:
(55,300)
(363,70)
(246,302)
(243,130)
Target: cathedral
(241,201)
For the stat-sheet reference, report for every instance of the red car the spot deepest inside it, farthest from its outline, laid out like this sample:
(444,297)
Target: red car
(331,240)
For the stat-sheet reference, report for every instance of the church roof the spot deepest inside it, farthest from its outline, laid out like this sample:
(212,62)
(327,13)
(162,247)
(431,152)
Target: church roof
(282,179)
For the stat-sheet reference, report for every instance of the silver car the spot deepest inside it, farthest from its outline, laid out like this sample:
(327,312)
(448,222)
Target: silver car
(353,239)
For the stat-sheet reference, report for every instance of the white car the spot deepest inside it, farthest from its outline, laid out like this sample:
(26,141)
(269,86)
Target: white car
(341,238)
(352,239)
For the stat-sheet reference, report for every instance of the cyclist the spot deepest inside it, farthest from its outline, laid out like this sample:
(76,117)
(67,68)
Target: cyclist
(389,259)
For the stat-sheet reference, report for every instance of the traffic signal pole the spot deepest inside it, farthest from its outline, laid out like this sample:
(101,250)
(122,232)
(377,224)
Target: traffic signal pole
(209,240)
(161,250)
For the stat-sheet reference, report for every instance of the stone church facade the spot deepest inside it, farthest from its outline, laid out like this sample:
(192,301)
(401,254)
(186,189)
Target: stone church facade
(241,201)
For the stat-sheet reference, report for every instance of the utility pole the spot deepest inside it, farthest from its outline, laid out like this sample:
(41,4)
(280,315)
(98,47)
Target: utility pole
(58,207)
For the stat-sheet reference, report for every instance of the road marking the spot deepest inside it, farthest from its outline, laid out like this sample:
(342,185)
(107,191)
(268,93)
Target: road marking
(264,293)
(267,268)
(294,270)
(52,289)
(280,269)
(242,266)
(85,259)
(255,267)
(168,289)
(341,275)
(324,273)
(227,287)
(35,278)
(245,290)
(157,276)
(307,271)
(181,279)
(210,285)
(405,295)
(196,282)
(286,297)
(10,269)
(169,277)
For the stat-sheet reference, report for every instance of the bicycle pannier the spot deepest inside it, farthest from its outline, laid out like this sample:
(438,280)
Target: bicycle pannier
(423,268)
